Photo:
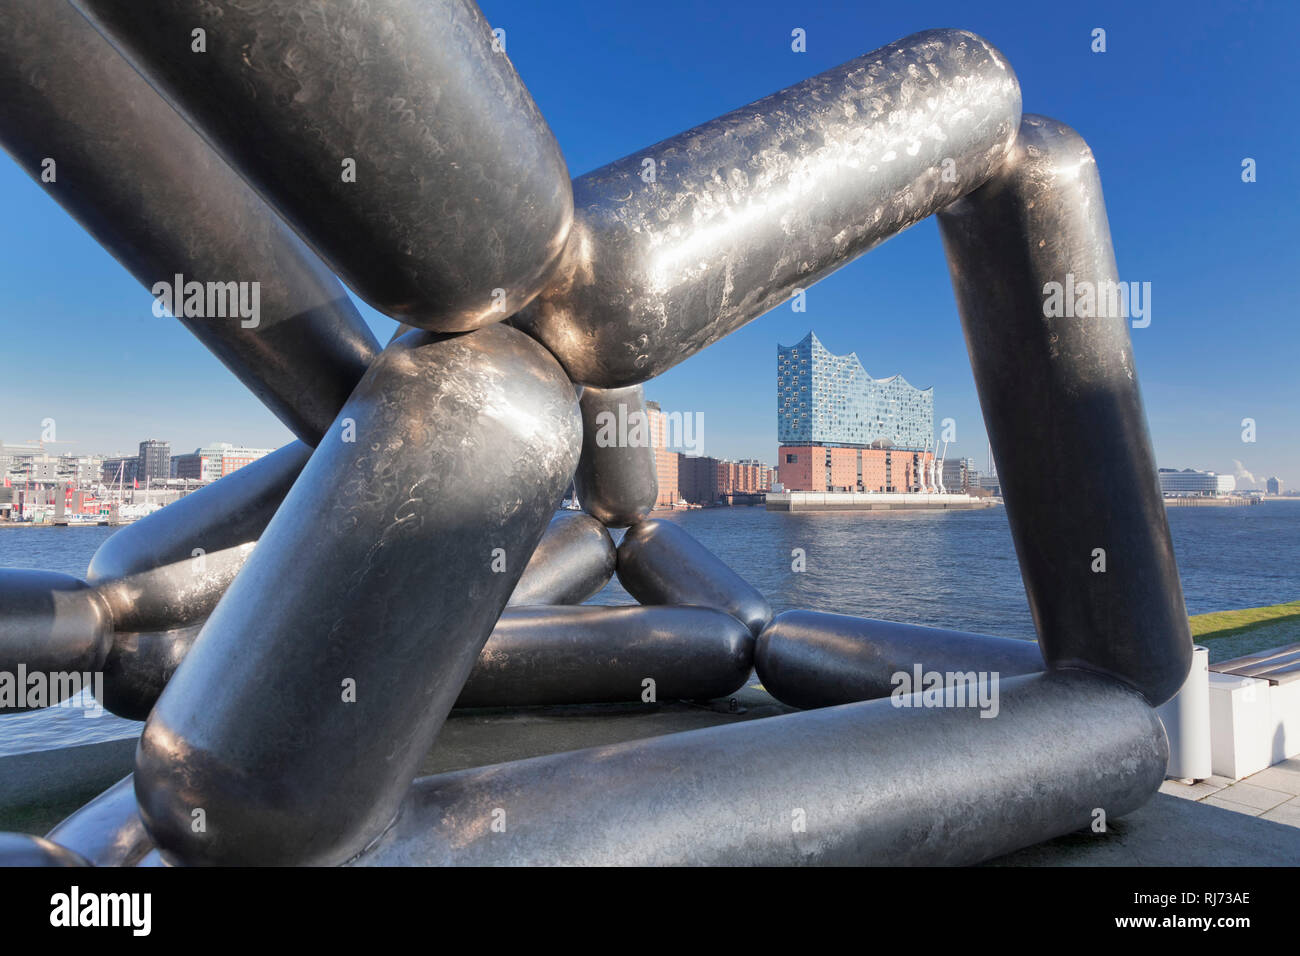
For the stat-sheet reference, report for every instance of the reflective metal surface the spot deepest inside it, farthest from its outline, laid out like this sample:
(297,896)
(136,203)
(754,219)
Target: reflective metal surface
(107,831)
(812,659)
(172,566)
(19,849)
(573,561)
(149,190)
(585,655)
(616,480)
(459,203)
(1063,409)
(317,685)
(173,594)
(747,208)
(51,624)
(861,784)
(139,665)
(659,563)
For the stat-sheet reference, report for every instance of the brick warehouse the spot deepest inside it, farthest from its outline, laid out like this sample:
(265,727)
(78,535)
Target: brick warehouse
(827,468)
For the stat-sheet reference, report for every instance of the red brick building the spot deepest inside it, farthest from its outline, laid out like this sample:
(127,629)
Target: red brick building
(707,481)
(826,468)
(665,460)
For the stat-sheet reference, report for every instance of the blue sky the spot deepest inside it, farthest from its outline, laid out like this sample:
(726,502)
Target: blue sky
(1182,94)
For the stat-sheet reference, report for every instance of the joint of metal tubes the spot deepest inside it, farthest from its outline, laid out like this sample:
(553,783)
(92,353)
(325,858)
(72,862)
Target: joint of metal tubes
(294,664)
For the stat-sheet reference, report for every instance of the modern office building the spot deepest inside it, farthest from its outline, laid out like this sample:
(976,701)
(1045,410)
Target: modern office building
(215,460)
(1273,486)
(959,474)
(1189,481)
(155,461)
(839,429)
(122,472)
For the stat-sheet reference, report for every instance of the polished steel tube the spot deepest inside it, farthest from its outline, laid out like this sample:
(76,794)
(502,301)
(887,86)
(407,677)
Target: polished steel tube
(659,563)
(574,560)
(861,784)
(51,624)
(616,481)
(812,659)
(300,716)
(589,655)
(139,665)
(685,241)
(107,831)
(20,849)
(395,135)
(171,567)
(1064,415)
(148,189)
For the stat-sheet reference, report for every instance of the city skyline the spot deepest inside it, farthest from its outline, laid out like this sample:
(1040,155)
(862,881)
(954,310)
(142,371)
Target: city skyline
(85,349)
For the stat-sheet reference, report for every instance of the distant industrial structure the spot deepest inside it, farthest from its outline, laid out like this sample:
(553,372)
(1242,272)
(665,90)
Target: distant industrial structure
(840,430)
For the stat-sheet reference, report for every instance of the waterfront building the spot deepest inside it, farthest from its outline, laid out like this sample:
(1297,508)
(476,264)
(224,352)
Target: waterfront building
(119,470)
(215,460)
(1189,481)
(826,399)
(665,460)
(16,459)
(1273,486)
(155,461)
(839,429)
(707,481)
(959,475)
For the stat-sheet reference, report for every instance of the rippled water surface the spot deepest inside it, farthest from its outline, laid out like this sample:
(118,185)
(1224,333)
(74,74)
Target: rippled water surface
(947,569)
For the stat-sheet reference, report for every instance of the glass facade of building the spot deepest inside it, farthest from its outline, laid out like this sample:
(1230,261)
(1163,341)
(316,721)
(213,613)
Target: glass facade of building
(825,399)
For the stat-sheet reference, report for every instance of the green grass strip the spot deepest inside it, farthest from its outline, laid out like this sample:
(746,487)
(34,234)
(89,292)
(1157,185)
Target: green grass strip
(1207,627)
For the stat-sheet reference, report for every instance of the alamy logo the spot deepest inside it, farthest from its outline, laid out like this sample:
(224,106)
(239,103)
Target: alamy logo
(1098,300)
(209,300)
(624,428)
(134,910)
(41,689)
(922,688)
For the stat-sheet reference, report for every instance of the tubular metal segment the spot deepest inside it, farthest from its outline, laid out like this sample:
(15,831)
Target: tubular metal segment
(139,665)
(616,481)
(108,830)
(811,659)
(767,199)
(172,566)
(574,560)
(659,563)
(862,784)
(395,135)
(19,849)
(152,193)
(50,624)
(359,621)
(588,655)
(1062,407)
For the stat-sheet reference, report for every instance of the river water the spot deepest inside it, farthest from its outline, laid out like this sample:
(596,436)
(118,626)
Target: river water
(946,569)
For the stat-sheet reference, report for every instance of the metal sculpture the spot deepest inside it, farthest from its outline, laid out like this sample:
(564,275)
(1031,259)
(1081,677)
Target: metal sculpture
(316,652)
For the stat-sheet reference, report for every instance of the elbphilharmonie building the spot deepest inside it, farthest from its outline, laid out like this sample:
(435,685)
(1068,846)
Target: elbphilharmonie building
(826,399)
